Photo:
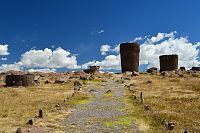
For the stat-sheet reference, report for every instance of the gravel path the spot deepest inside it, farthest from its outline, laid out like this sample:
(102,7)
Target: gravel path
(91,117)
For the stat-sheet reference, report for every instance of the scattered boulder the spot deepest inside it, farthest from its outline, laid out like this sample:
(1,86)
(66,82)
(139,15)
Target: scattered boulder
(92,70)
(152,70)
(48,82)
(134,73)
(196,68)
(83,77)
(60,81)
(166,73)
(182,69)
(191,71)
(37,82)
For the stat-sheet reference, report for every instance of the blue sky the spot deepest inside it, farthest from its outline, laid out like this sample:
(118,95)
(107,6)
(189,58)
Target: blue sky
(83,26)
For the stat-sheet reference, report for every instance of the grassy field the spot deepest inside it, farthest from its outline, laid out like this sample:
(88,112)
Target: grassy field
(19,104)
(171,99)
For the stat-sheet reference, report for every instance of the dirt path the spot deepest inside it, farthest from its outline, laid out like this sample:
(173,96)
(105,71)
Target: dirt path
(103,114)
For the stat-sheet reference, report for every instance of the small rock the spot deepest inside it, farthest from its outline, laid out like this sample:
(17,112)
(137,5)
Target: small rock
(60,81)
(92,90)
(40,114)
(152,70)
(48,82)
(108,91)
(57,105)
(149,82)
(5,115)
(170,125)
(146,107)
(30,122)
(83,78)
(195,75)
(134,73)
(19,130)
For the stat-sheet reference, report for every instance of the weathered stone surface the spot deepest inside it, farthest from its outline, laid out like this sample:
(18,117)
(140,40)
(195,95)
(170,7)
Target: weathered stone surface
(30,121)
(60,81)
(152,70)
(182,69)
(40,113)
(48,82)
(196,68)
(92,70)
(129,56)
(134,73)
(84,77)
(19,80)
(168,62)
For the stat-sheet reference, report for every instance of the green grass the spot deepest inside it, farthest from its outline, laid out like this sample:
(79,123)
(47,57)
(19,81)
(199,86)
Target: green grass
(79,98)
(124,120)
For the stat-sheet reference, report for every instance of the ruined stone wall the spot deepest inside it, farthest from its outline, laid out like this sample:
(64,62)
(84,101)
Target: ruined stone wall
(94,68)
(129,56)
(19,80)
(168,62)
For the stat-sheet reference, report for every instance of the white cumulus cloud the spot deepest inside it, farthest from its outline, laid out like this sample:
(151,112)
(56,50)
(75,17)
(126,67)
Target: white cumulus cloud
(47,58)
(107,48)
(45,70)
(9,67)
(4,49)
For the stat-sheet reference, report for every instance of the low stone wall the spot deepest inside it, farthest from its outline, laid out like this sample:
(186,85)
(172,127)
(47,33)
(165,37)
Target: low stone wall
(19,80)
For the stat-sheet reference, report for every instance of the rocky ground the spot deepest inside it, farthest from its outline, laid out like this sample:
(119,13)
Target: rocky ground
(105,107)
(104,103)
